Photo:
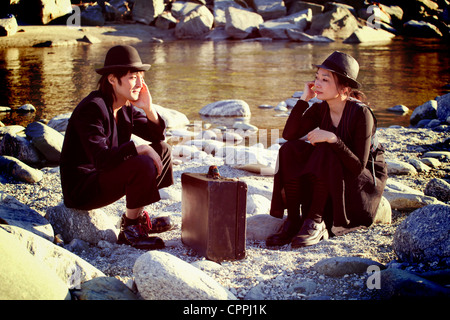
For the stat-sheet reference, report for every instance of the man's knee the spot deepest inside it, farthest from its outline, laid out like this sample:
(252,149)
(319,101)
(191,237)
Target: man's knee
(163,149)
(143,166)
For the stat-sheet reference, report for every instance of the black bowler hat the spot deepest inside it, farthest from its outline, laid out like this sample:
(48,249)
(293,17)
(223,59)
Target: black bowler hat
(122,57)
(343,64)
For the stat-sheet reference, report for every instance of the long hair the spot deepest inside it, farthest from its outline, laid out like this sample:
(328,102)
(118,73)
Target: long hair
(106,88)
(342,81)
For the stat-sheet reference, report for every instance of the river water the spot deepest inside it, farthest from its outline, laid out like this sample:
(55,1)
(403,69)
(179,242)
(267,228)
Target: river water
(187,75)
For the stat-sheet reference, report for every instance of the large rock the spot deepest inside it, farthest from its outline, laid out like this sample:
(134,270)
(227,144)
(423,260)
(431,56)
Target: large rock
(395,166)
(296,35)
(15,213)
(428,110)
(438,188)
(241,23)
(338,23)
(384,212)
(18,170)
(374,15)
(269,9)
(367,34)
(402,197)
(421,29)
(92,16)
(261,226)
(25,277)
(396,283)
(226,108)
(8,26)
(220,7)
(195,25)
(70,268)
(90,226)
(277,29)
(12,129)
(162,276)
(53,9)
(409,201)
(47,140)
(145,11)
(166,21)
(257,204)
(60,122)
(340,266)
(443,107)
(423,236)
(444,155)
(172,118)
(180,9)
(303,5)
(42,11)
(20,148)
(104,288)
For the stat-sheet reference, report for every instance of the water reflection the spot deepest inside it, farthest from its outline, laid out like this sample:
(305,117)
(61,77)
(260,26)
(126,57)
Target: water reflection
(186,75)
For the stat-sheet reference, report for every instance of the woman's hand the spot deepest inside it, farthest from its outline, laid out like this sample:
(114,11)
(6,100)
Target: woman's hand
(319,135)
(145,149)
(308,92)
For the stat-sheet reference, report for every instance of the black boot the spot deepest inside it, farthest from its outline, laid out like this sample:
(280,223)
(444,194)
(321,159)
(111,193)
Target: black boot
(285,235)
(135,234)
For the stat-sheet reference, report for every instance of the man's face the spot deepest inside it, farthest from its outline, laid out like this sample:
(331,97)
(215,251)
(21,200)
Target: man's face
(129,86)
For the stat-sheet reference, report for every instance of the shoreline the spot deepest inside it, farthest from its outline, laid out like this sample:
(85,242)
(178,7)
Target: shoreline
(60,35)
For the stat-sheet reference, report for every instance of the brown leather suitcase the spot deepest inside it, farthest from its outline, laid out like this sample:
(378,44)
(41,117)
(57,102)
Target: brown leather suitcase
(214,216)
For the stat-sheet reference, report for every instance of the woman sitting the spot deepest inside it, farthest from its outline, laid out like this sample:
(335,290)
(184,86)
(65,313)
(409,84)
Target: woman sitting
(331,171)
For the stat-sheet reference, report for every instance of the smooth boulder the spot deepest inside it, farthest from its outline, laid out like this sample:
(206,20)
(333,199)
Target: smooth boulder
(424,235)
(90,226)
(226,108)
(25,277)
(162,276)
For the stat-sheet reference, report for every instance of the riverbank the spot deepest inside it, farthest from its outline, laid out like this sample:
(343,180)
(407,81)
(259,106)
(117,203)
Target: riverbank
(315,21)
(284,273)
(59,35)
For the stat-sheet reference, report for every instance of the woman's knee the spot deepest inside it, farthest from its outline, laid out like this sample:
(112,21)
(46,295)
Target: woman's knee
(288,148)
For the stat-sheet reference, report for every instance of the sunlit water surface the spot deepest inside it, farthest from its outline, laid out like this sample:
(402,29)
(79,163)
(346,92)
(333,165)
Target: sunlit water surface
(187,75)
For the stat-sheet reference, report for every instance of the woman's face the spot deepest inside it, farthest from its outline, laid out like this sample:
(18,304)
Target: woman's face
(325,85)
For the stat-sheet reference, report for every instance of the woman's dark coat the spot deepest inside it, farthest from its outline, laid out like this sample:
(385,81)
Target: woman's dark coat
(353,168)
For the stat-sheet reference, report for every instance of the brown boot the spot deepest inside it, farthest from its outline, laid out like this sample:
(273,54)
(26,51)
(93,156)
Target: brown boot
(284,236)
(310,233)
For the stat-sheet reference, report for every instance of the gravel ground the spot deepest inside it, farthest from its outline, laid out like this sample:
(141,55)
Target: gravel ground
(281,274)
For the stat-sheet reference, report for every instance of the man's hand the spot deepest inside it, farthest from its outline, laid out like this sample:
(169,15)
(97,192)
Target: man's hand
(145,101)
(145,149)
